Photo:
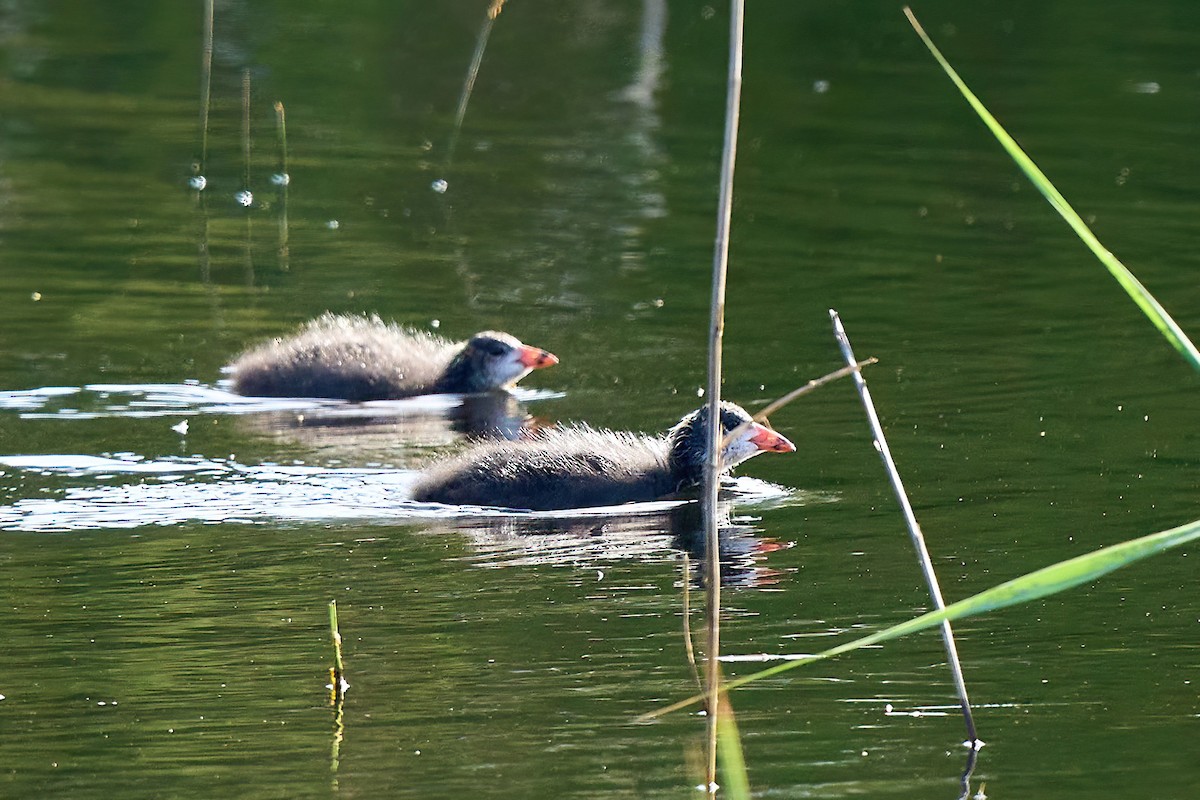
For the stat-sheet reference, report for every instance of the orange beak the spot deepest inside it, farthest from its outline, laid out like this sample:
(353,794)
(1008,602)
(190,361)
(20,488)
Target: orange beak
(767,439)
(536,358)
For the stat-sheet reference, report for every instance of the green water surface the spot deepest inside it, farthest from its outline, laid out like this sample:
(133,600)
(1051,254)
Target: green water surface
(165,636)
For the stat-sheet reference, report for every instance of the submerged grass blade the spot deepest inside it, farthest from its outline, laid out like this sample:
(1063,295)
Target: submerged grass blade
(1040,583)
(1141,296)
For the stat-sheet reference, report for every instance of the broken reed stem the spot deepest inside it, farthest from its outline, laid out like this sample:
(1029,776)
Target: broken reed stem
(716,332)
(472,73)
(914,529)
(337,673)
(205,84)
(245,130)
(815,383)
(283,180)
(281,133)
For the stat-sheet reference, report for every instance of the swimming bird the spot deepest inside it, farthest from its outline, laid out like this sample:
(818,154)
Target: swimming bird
(363,358)
(580,466)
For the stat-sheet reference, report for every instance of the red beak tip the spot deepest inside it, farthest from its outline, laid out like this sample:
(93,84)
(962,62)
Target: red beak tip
(769,440)
(536,358)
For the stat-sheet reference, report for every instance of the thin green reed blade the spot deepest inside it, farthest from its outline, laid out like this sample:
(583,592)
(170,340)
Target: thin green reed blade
(1145,301)
(735,783)
(1041,583)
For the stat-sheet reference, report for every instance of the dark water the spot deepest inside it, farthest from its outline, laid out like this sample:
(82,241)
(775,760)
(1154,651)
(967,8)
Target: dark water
(165,590)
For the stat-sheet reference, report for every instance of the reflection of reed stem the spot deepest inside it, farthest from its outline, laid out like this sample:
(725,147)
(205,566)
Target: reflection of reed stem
(687,620)
(914,529)
(716,332)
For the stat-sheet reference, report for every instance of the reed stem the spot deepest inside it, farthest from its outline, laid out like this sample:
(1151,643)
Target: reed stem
(337,673)
(485,30)
(246,130)
(282,179)
(716,334)
(774,406)
(206,55)
(914,528)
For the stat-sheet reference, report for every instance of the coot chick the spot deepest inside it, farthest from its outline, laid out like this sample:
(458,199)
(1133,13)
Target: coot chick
(580,466)
(363,358)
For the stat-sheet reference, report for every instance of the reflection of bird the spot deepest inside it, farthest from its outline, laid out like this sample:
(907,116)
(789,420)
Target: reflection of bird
(597,541)
(396,431)
(363,358)
(581,467)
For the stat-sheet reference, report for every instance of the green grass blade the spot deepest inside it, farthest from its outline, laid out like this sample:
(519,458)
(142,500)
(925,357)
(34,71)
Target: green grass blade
(1141,296)
(1041,583)
(735,784)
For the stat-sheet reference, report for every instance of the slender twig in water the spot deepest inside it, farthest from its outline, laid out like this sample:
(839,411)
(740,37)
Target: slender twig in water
(464,97)
(282,179)
(815,383)
(198,177)
(964,780)
(245,197)
(337,694)
(716,332)
(687,620)
(914,529)
(337,673)
(246,136)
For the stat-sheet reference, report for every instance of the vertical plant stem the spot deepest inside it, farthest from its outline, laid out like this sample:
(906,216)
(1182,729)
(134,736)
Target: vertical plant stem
(464,97)
(283,180)
(246,197)
(337,693)
(337,637)
(716,333)
(281,134)
(246,129)
(206,55)
(914,529)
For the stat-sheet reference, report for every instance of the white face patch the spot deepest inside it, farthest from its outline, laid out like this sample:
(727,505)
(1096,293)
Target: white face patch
(740,449)
(507,369)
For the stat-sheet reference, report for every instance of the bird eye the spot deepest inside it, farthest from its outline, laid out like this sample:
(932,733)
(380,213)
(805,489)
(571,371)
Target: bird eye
(494,348)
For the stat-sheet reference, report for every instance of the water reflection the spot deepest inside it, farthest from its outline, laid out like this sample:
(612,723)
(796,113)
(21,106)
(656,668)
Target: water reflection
(397,426)
(650,532)
(491,413)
